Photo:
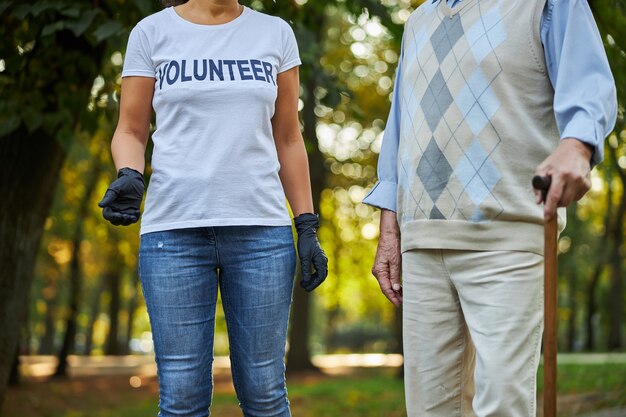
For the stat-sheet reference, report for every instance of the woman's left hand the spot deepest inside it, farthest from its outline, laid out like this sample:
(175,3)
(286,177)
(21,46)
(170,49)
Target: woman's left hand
(313,260)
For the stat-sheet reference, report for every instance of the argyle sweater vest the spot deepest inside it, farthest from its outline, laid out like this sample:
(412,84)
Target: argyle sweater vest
(476,119)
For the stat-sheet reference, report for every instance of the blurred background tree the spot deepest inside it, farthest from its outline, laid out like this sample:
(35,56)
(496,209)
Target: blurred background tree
(59,82)
(52,53)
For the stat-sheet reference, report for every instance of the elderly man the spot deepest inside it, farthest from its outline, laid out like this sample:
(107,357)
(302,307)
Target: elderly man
(488,93)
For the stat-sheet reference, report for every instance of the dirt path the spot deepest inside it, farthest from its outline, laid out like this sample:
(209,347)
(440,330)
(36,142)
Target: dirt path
(106,384)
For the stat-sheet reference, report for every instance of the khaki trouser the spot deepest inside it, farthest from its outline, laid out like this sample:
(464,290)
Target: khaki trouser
(472,332)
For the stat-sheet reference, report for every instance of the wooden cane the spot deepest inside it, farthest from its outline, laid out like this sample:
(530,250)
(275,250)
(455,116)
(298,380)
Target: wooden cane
(550,304)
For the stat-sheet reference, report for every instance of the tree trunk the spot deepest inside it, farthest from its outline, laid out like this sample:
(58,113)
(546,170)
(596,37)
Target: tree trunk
(299,356)
(571,322)
(616,295)
(330,334)
(69,340)
(591,308)
(94,310)
(28,175)
(75,289)
(132,307)
(334,311)
(113,279)
(396,345)
(616,303)
(603,243)
(46,344)
(14,377)
(31,160)
(571,275)
(398,341)
(24,346)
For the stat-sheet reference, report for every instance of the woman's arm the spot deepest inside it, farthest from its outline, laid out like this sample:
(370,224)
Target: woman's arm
(294,175)
(128,146)
(122,201)
(294,165)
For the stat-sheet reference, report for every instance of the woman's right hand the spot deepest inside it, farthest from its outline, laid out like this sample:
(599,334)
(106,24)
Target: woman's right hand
(122,201)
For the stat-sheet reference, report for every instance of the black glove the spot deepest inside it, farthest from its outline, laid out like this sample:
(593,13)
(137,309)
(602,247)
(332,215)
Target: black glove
(122,200)
(310,251)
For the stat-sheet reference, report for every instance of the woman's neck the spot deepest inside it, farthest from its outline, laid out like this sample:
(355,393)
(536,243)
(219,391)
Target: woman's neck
(210,12)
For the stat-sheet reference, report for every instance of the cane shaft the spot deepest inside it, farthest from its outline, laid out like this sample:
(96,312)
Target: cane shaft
(550,318)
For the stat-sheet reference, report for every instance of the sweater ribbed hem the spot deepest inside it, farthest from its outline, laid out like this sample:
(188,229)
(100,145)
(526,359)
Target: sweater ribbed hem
(465,235)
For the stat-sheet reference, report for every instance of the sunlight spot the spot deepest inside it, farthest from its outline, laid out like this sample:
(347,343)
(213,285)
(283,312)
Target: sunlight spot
(358,34)
(27,47)
(361,71)
(347,235)
(367,360)
(381,67)
(390,56)
(403,15)
(326,136)
(135,381)
(60,251)
(376,144)
(357,194)
(363,211)
(146,345)
(385,82)
(369,231)
(374,28)
(597,183)
(98,84)
(339,117)
(564,244)
(117,59)
(610,40)
(359,50)
(348,134)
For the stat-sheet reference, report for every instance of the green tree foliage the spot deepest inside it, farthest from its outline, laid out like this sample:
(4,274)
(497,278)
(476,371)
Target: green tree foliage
(592,261)
(312,22)
(355,102)
(51,54)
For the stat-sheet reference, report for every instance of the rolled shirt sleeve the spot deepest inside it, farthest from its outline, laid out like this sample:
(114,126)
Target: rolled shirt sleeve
(291,55)
(138,61)
(383,194)
(585,98)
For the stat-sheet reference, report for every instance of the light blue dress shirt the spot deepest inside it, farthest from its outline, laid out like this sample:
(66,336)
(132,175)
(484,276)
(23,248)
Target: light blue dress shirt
(585,104)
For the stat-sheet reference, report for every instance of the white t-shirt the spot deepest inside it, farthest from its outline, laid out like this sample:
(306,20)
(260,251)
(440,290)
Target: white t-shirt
(214,161)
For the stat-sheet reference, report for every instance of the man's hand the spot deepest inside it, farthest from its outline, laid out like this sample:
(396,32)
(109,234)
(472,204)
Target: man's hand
(122,200)
(386,267)
(569,166)
(310,252)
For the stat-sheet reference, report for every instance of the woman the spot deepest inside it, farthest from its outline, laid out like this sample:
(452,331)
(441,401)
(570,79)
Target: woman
(223,81)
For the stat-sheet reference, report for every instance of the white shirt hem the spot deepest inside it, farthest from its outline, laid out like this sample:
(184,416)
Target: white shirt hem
(213,223)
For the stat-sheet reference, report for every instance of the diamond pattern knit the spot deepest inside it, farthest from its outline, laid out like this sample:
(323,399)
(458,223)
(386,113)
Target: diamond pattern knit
(455,108)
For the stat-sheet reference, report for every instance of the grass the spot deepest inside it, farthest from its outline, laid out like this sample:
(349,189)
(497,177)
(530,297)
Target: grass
(374,397)
(365,393)
(580,378)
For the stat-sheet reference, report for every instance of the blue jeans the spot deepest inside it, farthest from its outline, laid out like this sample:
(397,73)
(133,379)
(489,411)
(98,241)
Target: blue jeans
(180,271)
